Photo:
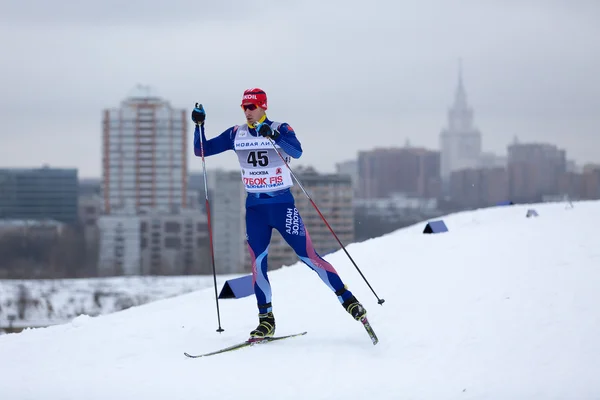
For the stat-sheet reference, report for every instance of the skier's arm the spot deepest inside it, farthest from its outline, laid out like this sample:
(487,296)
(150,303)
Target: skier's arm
(288,141)
(216,145)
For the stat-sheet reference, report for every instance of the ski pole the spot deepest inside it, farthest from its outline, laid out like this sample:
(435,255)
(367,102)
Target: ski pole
(379,301)
(210,237)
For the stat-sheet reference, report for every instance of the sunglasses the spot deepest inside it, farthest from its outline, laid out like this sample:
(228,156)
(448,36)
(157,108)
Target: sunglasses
(250,107)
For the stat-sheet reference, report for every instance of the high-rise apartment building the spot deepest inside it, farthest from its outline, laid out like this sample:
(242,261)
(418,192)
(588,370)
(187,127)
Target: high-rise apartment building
(144,155)
(534,171)
(149,226)
(409,170)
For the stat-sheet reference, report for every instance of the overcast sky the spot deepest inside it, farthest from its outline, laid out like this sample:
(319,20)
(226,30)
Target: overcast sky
(347,75)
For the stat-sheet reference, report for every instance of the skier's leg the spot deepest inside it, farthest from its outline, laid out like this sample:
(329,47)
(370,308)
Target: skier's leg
(258,236)
(289,223)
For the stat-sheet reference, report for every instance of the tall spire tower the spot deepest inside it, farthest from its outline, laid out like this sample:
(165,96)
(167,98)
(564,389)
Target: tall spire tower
(460,115)
(460,141)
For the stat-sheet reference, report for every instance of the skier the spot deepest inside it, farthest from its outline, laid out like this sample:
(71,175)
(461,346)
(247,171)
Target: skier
(269,201)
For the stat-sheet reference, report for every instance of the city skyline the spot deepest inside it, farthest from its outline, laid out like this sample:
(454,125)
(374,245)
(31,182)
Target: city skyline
(357,84)
(231,164)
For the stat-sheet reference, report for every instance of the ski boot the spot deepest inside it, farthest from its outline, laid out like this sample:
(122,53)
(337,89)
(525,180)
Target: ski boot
(265,328)
(359,313)
(354,308)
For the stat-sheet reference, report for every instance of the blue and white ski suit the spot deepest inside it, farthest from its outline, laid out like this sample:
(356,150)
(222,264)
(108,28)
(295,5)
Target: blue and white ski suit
(269,202)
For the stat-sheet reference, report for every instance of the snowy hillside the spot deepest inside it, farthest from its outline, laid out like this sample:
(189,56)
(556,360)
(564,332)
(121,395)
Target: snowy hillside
(499,307)
(43,302)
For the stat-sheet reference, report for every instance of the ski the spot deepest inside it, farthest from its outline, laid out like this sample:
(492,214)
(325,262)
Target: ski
(369,330)
(247,343)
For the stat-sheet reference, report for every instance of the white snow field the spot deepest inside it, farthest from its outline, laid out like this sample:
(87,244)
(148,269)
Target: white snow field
(499,307)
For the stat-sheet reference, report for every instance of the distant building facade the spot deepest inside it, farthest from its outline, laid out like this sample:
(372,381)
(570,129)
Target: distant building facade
(228,221)
(120,251)
(408,170)
(154,244)
(196,191)
(39,194)
(144,158)
(584,185)
(591,182)
(175,244)
(397,206)
(32,228)
(479,187)
(491,160)
(534,171)
(90,187)
(350,168)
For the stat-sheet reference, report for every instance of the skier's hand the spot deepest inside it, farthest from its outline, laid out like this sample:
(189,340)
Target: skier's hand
(265,130)
(198,114)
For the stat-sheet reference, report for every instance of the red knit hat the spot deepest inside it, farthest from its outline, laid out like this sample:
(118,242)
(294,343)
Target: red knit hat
(255,96)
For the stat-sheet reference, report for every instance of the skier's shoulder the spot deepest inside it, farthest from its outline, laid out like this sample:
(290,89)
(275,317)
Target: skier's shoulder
(282,127)
(233,131)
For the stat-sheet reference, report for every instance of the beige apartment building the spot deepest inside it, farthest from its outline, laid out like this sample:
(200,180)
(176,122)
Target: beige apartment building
(147,226)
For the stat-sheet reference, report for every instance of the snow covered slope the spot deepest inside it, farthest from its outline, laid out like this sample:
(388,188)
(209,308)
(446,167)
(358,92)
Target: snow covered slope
(499,307)
(43,302)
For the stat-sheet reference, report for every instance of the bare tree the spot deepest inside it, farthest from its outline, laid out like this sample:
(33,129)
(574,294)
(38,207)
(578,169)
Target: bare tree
(23,300)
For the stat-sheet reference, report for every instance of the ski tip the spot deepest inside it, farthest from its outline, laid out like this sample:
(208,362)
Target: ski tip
(369,330)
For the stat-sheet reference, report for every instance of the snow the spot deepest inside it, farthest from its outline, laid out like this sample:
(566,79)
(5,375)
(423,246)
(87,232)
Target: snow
(499,307)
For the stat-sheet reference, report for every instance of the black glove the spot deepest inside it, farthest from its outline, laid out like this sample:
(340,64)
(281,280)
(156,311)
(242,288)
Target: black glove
(265,130)
(198,115)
